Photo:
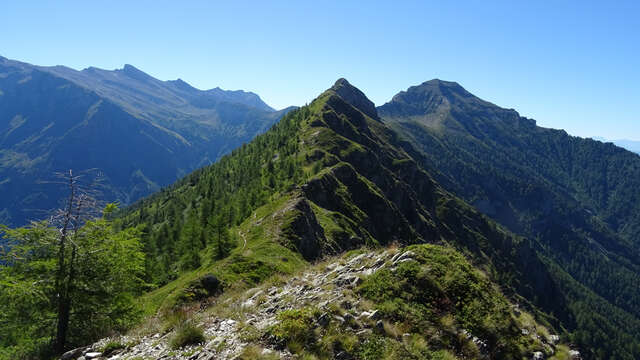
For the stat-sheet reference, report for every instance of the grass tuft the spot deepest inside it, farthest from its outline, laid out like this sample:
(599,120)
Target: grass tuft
(186,334)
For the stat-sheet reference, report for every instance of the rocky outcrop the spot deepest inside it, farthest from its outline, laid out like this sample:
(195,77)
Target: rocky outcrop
(241,326)
(304,232)
(355,97)
(226,337)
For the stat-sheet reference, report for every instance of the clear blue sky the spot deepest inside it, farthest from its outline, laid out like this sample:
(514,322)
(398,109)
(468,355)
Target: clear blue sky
(571,65)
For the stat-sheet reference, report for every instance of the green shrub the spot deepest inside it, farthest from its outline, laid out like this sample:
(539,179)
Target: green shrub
(111,346)
(295,328)
(255,352)
(373,348)
(187,333)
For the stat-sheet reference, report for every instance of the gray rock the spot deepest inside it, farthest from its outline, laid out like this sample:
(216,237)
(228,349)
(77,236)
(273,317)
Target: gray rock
(344,280)
(375,315)
(407,255)
(210,283)
(324,320)
(73,354)
(348,317)
(343,355)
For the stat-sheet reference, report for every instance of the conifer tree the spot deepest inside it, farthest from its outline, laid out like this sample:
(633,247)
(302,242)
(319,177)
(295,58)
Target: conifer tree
(190,244)
(67,280)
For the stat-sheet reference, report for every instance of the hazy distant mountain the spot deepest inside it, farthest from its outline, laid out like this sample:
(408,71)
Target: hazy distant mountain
(140,133)
(630,145)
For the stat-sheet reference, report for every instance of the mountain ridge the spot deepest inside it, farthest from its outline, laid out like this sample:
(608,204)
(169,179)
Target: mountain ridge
(576,196)
(527,208)
(63,118)
(351,183)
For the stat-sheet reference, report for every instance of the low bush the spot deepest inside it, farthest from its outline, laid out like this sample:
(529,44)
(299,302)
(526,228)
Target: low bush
(185,334)
(111,346)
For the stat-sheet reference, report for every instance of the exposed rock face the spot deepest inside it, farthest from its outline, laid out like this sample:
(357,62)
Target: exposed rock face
(303,230)
(355,97)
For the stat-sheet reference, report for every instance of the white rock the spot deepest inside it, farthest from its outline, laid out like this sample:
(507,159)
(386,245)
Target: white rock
(92,355)
(374,315)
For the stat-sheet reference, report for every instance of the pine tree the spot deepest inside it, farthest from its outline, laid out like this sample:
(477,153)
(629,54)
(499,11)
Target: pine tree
(190,244)
(47,288)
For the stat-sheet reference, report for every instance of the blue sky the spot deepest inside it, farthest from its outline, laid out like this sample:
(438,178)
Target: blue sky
(568,64)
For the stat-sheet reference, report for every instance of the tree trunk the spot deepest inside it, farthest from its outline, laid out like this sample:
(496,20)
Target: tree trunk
(61,284)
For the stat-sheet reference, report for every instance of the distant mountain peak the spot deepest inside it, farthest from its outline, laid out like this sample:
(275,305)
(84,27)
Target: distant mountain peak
(182,85)
(134,73)
(440,82)
(354,97)
(447,89)
(431,97)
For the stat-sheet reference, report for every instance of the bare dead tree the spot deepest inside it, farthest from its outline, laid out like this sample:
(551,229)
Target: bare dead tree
(81,205)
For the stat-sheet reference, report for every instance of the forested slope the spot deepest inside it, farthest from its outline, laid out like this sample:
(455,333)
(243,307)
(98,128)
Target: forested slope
(331,177)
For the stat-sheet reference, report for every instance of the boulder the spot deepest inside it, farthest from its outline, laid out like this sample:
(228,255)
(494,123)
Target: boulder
(210,283)
(73,354)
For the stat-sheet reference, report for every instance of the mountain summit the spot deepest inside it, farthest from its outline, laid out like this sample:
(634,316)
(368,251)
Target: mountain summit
(354,97)
(431,97)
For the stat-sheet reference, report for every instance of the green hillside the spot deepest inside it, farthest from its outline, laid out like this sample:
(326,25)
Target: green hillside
(330,216)
(577,197)
(343,180)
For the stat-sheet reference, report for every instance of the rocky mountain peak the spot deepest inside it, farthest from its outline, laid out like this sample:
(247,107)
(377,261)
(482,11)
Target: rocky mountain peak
(353,96)
(431,96)
(134,73)
(448,91)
